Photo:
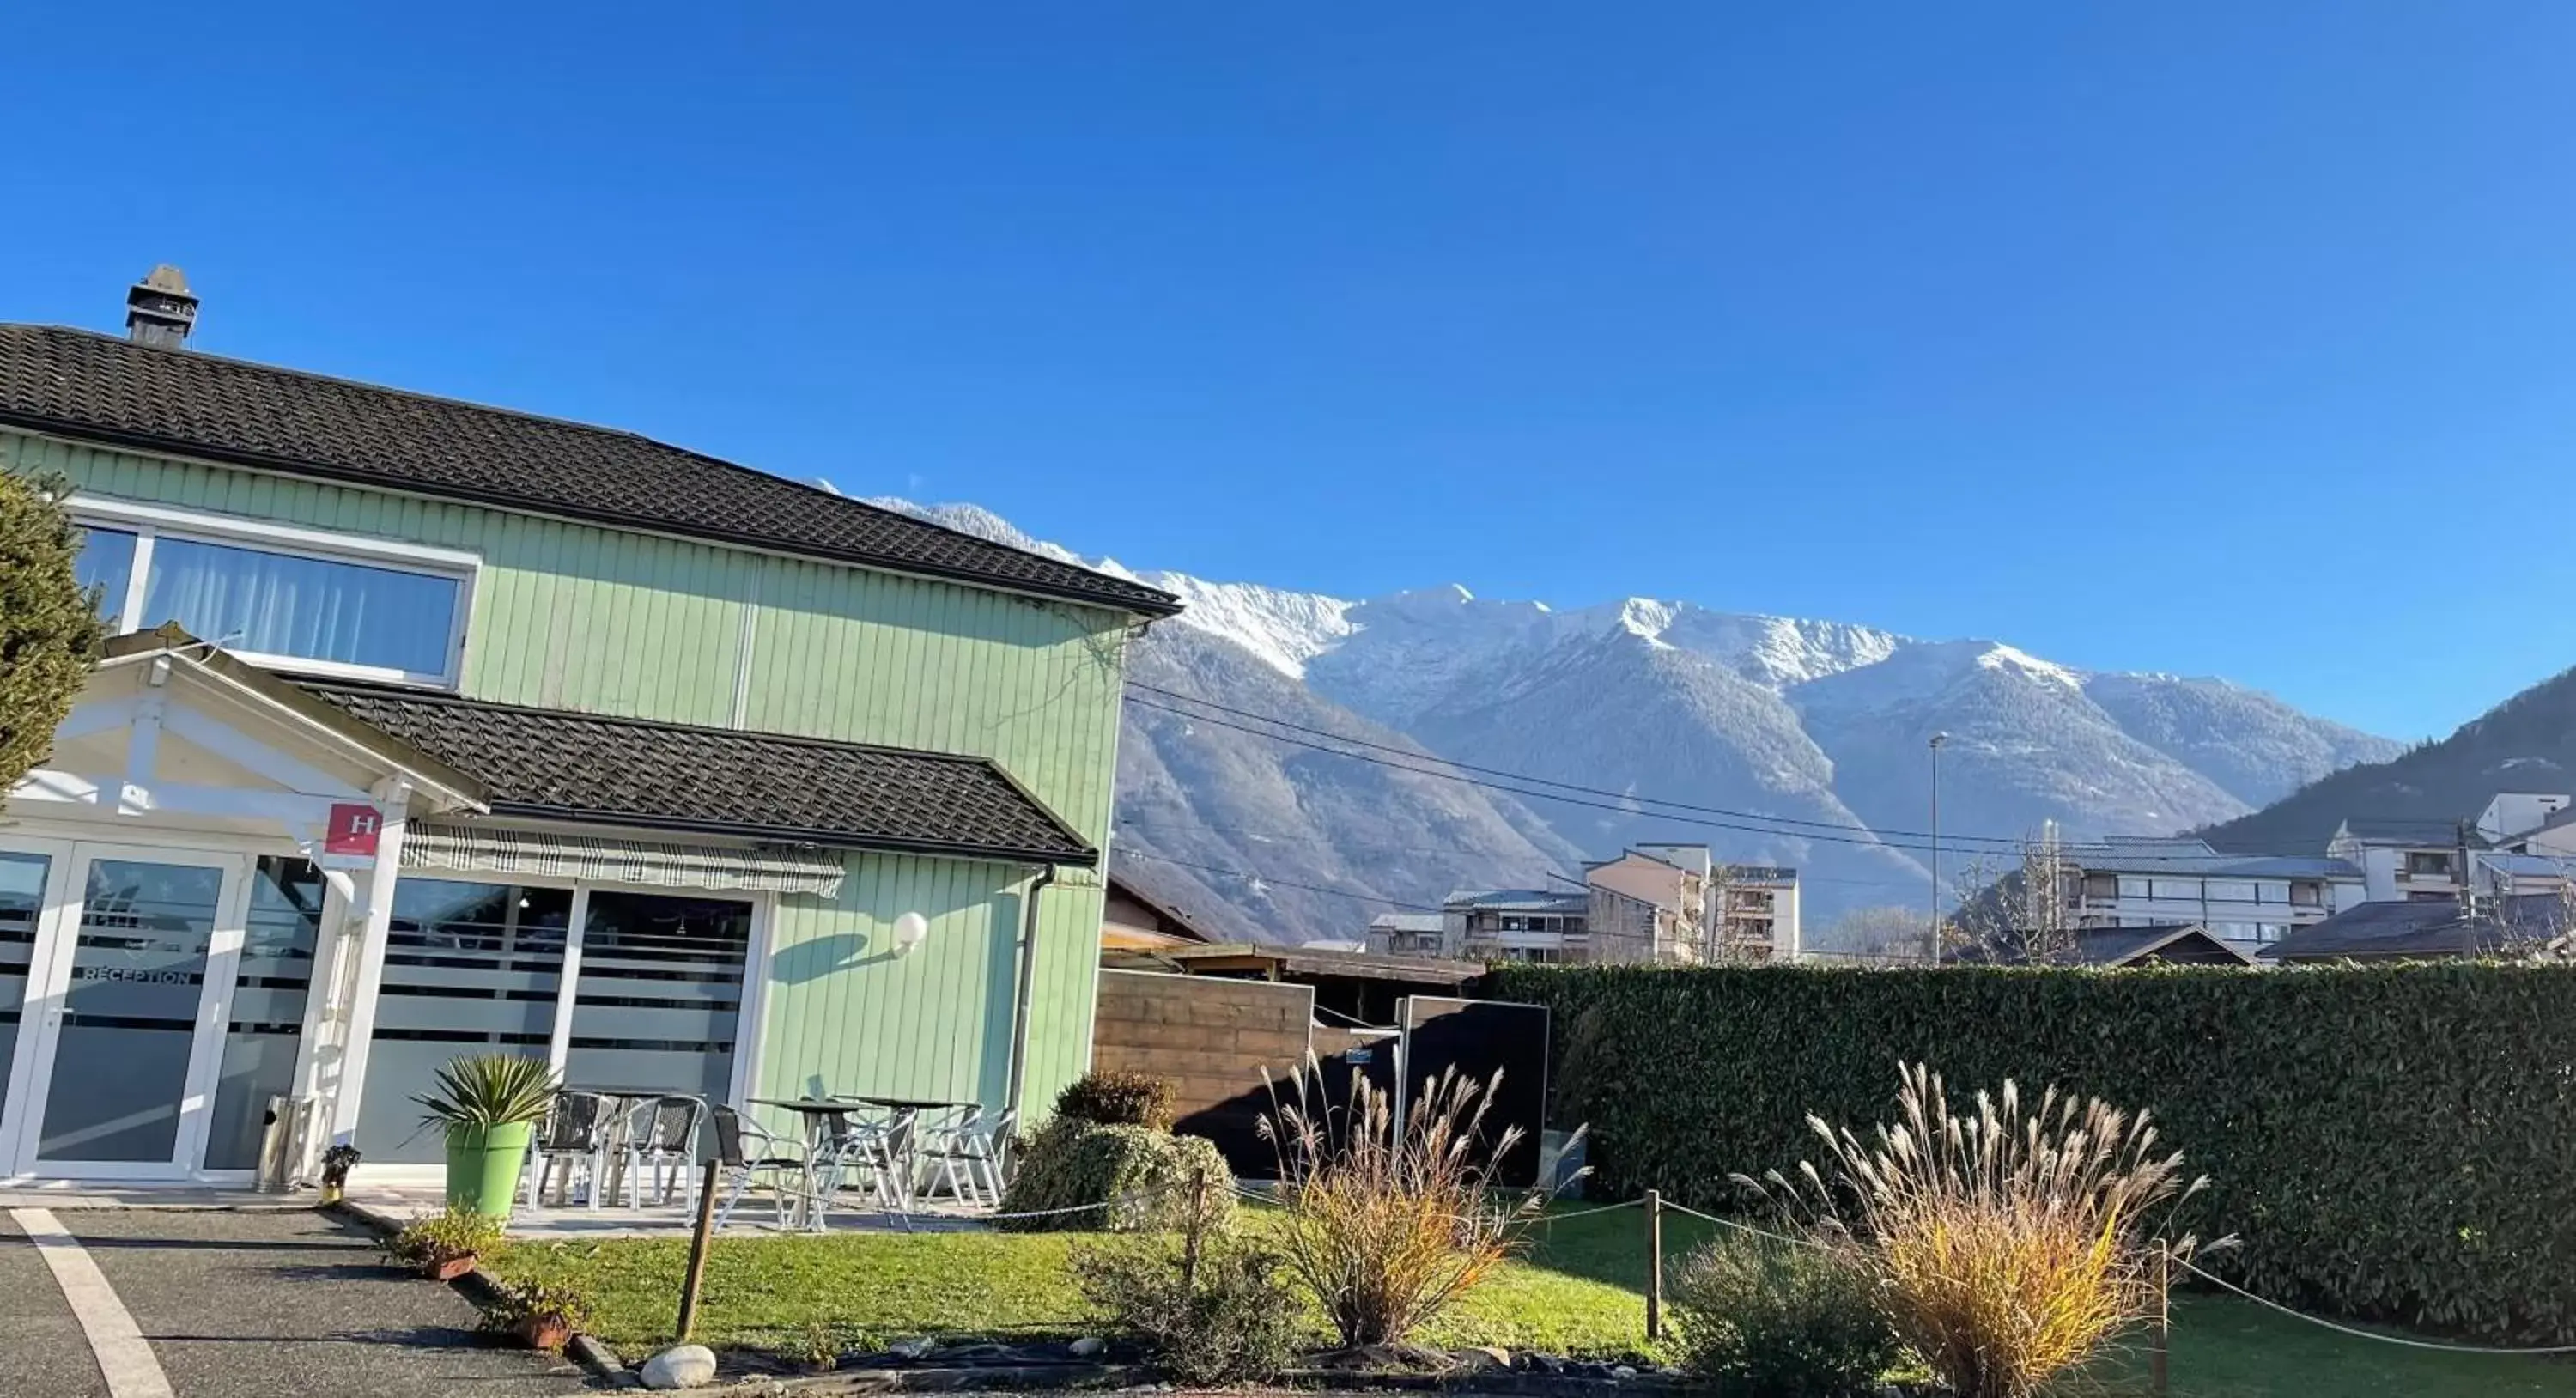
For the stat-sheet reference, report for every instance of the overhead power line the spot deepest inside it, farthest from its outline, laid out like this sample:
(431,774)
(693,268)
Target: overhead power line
(1532,778)
(1134,853)
(1633,806)
(1630,804)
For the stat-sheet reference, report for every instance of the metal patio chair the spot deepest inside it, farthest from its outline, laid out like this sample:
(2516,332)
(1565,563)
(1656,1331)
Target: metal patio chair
(959,1153)
(865,1151)
(661,1138)
(745,1152)
(575,1133)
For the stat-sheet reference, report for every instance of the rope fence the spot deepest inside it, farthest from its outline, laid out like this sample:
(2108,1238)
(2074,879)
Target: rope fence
(1654,1205)
(2359,1334)
(2213,1279)
(1742,1227)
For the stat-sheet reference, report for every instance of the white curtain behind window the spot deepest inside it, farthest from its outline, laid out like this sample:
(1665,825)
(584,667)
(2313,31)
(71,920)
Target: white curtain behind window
(308,608)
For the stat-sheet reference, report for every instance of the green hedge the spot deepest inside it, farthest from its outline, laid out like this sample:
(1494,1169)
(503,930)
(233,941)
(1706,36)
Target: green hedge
(2390,1142)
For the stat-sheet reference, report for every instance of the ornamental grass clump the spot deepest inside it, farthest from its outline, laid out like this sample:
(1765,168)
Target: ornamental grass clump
(1387,1223)
(2006,1245)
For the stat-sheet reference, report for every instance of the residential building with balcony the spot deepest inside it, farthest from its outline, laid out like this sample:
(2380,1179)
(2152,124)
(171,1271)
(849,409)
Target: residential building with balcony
(1663,902)
(1516,924)
(2246,901)
(1407,934)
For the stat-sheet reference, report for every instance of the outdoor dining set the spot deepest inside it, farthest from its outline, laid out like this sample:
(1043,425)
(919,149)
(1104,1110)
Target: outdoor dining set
(893,1155)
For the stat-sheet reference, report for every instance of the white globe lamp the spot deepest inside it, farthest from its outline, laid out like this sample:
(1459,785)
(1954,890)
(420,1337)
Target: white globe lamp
(910,931)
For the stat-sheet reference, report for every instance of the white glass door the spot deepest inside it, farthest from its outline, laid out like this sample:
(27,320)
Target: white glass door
(29,875)
(124,1012)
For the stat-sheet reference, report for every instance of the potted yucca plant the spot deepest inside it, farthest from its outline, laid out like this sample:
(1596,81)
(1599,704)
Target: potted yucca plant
(489,1105)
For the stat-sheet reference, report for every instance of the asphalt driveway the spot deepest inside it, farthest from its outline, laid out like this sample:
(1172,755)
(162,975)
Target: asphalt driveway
(246,1304)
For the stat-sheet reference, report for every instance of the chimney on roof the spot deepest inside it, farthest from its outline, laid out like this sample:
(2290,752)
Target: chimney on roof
(160,309)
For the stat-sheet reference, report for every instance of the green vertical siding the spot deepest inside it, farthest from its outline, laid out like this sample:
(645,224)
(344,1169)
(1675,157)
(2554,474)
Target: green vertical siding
(575,616)
(848,1015)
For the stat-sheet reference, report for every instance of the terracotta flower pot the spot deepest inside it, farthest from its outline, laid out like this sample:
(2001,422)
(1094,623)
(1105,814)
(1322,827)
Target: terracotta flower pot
(543,1332)
(448,1269)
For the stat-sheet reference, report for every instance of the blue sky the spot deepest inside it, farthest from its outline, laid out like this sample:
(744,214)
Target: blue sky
(2200,337)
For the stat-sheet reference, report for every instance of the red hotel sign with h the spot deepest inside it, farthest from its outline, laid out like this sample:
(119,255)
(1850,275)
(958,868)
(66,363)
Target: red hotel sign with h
(353,830)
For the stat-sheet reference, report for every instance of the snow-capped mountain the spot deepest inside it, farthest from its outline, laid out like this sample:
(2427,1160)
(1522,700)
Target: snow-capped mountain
(1792,741)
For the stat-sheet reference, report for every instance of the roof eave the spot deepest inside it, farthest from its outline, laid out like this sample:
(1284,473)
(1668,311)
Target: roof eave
(1158,606)
(227,671)
(1082,857)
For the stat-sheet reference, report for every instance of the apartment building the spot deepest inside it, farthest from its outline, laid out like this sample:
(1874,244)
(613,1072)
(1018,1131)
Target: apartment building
(2246,901)
(1761,909)
(1516,924)
(1406,934)
(2521,844)
(1659,902)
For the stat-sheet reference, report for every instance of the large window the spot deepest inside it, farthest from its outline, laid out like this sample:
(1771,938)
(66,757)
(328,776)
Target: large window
(659,994)
(469,968)
(652,1001)
(293,598)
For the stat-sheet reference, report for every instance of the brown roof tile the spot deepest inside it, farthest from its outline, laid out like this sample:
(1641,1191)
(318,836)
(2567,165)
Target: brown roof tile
(79,383)
(768,786)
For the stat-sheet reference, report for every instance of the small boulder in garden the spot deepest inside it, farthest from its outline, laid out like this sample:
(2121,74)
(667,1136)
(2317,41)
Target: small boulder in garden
(681,1366)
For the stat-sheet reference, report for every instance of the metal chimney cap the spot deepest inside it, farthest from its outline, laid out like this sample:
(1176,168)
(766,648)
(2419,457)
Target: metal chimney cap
(160,309)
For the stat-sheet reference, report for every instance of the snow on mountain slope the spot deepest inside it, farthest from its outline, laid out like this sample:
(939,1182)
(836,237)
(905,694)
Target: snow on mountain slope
(1281,629)
(1814,721)
(2254,745)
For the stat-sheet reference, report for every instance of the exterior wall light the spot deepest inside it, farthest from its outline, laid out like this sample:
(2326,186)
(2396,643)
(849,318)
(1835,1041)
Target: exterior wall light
(910,931)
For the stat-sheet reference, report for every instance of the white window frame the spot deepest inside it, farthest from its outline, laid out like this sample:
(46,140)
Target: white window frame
(148,523)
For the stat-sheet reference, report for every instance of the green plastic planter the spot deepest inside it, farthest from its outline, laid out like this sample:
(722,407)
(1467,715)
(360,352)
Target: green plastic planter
(483,1167)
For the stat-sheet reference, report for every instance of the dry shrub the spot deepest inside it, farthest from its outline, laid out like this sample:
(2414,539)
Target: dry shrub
(1387,1223)
(1781,1320)
(2005,1246)
(1224,1317)
(1116,1097)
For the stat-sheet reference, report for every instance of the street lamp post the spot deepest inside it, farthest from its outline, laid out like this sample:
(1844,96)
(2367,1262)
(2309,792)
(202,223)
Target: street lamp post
(1937,740)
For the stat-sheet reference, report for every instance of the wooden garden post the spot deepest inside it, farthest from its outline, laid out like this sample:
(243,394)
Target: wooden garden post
(1654,1264)
(696,1276)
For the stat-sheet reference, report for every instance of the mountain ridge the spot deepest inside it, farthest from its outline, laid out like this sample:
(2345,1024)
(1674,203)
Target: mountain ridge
(2526,743)
(1823,722)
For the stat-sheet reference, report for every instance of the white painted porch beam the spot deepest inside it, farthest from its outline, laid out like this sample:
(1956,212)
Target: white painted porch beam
(174,798)
(96,716)
(231,744)
(142,750)
(372,916)
(47,784)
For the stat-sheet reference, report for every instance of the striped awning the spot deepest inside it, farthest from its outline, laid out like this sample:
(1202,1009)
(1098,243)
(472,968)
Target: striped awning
(479,849)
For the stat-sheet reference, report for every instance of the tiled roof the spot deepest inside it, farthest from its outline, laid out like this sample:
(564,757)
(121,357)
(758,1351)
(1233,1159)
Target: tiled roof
(1536,900)
(764,786)
(2113,946)
(2128,854)
(2432,927)
(1405,922)
(77,383)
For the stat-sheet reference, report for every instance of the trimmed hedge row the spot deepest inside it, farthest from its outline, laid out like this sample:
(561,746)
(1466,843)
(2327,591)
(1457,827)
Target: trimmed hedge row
(2396,1142)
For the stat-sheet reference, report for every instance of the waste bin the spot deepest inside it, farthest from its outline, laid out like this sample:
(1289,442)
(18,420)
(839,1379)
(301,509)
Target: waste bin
(276,1146)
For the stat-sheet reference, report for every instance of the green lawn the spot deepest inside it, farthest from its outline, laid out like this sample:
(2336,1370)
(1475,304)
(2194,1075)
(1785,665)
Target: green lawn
(1578,1291)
